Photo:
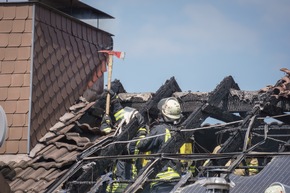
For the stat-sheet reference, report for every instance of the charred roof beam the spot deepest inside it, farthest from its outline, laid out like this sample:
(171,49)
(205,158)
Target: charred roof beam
(195,119)
(129,131)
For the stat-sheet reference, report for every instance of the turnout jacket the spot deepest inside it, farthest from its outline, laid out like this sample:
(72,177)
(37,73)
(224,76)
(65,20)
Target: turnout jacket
(154,144)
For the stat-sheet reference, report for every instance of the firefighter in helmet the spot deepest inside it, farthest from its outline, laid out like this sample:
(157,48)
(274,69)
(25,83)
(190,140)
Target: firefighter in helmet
(170,117)
(122,170)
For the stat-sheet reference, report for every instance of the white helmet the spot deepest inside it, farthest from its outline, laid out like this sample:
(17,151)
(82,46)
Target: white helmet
(170,108)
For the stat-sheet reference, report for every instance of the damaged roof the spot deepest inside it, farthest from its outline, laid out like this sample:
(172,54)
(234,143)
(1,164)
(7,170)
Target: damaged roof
(59,158)
(71,154)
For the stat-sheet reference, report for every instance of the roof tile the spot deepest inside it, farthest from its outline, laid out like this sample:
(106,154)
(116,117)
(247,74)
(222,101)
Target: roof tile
(13,93)
(9,106)
(26,81)
(68,26)
(12,146)
(15,133)
(63,23)
(1,12)
(6,26)
(2,52)
(26,120)
(19,120)
(24,92)
(17,79)
(22,66)
(22,146)
(22,12)
(18,26)
(10,53)
(3,147)
(8,67)
(9,118)
(24,133)
(22,106)
(3,94)
(4,40)
(14,40)
(9,12)
(5,80)
(28,26)
(24,53)
(26,39)
(53,19)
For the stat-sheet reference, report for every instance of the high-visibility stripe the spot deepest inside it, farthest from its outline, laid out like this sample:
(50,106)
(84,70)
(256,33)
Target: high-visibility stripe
(167,134)
(119,115)
(107,130)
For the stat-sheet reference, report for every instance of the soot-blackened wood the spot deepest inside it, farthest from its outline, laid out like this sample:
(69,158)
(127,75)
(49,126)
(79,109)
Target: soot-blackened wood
(195,119)
(129,131)
(234,143)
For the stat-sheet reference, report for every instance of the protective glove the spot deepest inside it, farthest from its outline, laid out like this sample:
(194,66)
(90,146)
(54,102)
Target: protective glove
(111,93)
(106,124)
(107,119)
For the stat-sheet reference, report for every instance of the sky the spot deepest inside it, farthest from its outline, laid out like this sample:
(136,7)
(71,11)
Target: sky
(198,42)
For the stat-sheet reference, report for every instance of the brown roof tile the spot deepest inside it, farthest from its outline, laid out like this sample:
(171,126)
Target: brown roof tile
(26,39)
(22,106)
(10,53)
(19,120)
(4,40)
(13,93)
(8,67)
(24,133)
(1,12)
(22,146)
(3,148)
(9,12)
(12,146)
(24,53)
(18,26)
(22,66)
(22,12)
(24,93)
(9,106)
(15,133)
(14,40)
(5,80)
(6,26)
(28,26)
(17,79)
(2,53)
(3,94)
(26,119)
(26,81)
(9,118)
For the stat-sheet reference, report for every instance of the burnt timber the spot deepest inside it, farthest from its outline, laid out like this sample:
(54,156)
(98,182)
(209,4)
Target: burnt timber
(246,111)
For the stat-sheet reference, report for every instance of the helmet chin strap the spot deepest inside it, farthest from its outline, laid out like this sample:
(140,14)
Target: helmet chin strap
(174,121)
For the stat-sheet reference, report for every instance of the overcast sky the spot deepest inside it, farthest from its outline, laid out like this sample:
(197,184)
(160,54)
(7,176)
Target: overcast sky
(198,42)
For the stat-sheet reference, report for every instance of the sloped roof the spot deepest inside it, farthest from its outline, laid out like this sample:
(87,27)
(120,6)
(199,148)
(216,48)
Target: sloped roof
(53,155)
(47,60)
(57,152)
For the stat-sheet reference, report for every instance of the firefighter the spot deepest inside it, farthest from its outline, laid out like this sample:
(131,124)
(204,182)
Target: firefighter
(170,117)
(122,169)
